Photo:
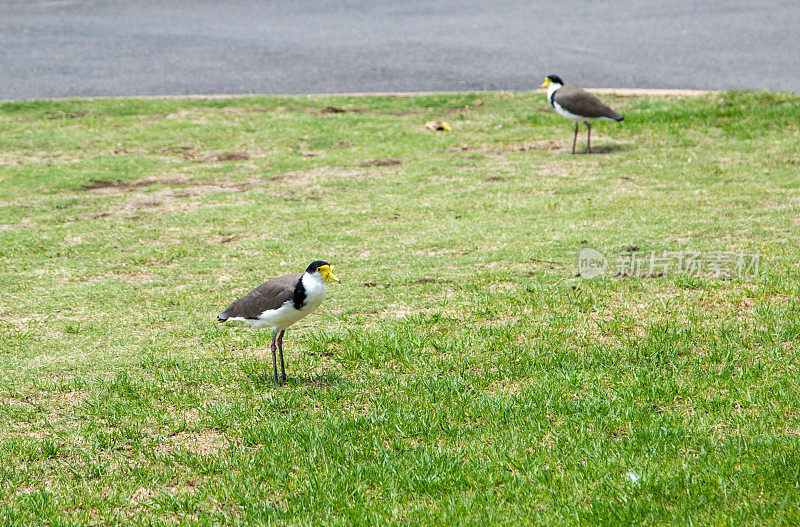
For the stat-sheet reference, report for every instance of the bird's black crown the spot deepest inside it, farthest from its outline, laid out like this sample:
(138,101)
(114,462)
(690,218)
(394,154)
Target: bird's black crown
(555,79)
(314,265)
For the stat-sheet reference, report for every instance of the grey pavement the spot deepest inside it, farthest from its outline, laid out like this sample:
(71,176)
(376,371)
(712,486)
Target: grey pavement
(137,47)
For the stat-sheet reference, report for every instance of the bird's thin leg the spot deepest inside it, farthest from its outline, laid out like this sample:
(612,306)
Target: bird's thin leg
(280,350)
(575,137)
(588,138)
(274,359)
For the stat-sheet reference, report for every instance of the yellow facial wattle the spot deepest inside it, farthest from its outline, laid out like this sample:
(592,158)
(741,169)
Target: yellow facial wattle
(327,272)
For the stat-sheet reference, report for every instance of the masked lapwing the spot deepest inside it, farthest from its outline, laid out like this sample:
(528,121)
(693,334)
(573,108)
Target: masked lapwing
(578,105)
(280,302)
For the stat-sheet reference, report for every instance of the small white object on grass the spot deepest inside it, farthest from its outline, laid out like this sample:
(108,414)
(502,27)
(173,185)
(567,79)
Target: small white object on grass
(634,477)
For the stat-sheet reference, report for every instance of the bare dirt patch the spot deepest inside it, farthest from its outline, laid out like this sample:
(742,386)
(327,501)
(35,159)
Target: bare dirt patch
(142,495)
(120,150)
(399,310)
(301,177)
(391,162)
(53,411)
(95,184)
(226,238)
(243,111)
(329,110)
(183,114)
(65,115)
(151,117)
(69,399)
(13,226)
(290,186)
(38,158)
(196,155)
(333,109)
(236,155)
(466,108)
(189,187)
(405,113)
(169,198)
(432,281)
(543,145)
(206,442)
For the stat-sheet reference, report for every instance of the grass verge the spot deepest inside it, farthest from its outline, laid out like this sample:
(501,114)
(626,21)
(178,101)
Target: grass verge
(461,374)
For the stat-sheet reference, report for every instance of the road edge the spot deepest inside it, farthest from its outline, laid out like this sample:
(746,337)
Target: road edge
(622,92)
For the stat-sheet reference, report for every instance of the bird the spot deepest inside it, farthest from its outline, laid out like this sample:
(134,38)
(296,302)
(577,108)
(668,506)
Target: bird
(578,105)
(280,302)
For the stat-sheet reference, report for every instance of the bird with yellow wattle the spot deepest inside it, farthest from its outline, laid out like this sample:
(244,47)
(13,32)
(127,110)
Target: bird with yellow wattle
(577,105)
(280,302)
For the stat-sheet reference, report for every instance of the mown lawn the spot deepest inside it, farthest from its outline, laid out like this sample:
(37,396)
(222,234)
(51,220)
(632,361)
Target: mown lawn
(461,374)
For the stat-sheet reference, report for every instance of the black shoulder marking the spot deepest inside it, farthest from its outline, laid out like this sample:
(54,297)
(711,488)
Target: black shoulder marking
(553,96)
(299,297)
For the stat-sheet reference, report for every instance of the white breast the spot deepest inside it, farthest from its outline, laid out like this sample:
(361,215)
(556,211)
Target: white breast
(568,114)
(315,291)
(557,107)
(286,315)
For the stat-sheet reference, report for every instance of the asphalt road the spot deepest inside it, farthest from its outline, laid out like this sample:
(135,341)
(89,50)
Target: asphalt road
(138,47)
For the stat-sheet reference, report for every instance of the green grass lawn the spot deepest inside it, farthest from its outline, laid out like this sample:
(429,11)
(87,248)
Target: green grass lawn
(461,373)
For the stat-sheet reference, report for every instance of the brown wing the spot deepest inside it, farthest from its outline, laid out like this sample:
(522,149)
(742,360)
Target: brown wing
(272,294)
(582,103)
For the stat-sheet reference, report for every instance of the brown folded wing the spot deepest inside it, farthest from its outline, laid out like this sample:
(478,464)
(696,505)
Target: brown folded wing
(579,102)
(272,294)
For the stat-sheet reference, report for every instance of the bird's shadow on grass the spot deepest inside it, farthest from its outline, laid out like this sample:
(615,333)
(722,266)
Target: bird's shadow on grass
(264,380)
(607,148)
(322,380)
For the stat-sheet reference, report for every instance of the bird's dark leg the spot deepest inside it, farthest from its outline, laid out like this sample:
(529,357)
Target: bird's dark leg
(280,349)
(575,137)
(588,138)
(274,359)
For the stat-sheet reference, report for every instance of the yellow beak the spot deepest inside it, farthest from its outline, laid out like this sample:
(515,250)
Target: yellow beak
(332,276)
(545,84)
